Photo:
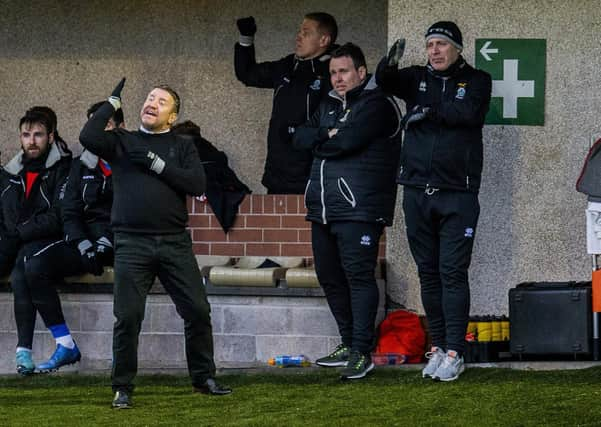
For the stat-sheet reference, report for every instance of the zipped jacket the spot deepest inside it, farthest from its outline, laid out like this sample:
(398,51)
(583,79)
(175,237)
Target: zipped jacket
(87,201)
(299,85)
(37,216)
(353,173)
(445,149)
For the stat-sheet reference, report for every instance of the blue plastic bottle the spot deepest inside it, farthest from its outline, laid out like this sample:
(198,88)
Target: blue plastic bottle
(285,361)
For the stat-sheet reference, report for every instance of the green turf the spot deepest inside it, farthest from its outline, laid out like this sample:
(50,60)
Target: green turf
(482,397)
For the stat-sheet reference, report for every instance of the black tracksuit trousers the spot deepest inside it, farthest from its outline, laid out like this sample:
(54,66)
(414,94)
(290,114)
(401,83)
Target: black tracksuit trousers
(38,268)
(441,229)
(346,254)
(139,259)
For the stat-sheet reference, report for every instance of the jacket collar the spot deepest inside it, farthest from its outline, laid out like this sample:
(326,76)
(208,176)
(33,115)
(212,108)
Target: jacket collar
(453,69)
(16,164)
(368,84)
(315,62)
(89,159)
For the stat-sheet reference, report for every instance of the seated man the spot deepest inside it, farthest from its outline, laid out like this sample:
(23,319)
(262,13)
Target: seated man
(86,202)
(30,218)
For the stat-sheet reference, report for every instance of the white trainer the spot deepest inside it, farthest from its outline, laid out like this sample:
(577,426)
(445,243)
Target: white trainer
(450,368)
(435,357)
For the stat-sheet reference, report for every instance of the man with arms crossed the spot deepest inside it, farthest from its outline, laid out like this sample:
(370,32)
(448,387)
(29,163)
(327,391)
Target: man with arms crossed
(355,138)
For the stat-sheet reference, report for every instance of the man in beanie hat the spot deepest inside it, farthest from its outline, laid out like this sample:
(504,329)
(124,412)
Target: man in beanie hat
(441,166)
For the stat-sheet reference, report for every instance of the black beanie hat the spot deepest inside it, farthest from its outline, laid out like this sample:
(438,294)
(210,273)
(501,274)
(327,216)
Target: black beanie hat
(447,30)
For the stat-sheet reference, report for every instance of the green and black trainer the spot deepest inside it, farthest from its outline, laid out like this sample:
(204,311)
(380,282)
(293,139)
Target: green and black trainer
(358,366)
(339,357)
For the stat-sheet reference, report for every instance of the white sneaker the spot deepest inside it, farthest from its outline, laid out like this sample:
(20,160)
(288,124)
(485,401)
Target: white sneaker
(449,369)
(436,357)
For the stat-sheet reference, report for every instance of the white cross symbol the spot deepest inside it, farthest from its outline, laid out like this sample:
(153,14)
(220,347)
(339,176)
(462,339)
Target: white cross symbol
(510,88)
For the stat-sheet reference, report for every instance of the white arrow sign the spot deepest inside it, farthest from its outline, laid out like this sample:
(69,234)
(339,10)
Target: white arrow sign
(485,51)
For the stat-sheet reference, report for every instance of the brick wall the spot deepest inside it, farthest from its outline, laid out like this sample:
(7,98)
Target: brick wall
(266,225)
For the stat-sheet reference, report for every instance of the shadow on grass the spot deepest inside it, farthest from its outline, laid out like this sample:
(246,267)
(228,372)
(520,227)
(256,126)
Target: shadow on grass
(482,396)
(381,376)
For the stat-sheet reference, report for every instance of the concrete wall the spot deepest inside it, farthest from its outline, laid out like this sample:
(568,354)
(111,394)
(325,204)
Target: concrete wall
(532,220)
(68,54)
(247,331)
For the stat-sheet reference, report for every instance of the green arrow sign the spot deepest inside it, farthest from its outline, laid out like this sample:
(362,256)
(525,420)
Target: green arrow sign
(517,67)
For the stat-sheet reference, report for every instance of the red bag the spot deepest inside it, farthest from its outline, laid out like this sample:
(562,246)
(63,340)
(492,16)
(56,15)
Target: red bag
(401,332)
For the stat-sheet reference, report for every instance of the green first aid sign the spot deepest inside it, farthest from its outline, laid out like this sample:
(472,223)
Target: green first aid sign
(517,67)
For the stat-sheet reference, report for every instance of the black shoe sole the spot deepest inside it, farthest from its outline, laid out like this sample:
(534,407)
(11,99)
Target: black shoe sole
(212,393)
(46,371)
(128,406)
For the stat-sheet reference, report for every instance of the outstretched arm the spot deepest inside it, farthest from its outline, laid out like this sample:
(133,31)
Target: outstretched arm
(93,136)
(248,71)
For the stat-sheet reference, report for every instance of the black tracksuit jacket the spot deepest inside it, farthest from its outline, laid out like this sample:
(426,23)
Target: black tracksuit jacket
(87,201)
(144,202)
(445,149)
(37,216)
(299,86)
(353,173)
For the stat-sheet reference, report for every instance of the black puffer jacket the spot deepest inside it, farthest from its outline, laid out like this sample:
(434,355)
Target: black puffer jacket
(87,201)
(38,216)
(299,86)
(353,173)
(445,149)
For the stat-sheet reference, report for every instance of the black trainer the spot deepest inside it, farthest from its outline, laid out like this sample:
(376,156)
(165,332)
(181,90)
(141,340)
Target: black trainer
(358,366)
(339,357)
(210,386)
(122,400)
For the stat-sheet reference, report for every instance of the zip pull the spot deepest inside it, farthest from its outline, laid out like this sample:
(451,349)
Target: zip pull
(430,190)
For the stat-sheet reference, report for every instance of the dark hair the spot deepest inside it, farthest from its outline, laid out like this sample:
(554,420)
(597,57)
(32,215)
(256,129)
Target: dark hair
(117,115)
(36,117)
(51,125)
(187,127)
(176,99)
(326,24)
(352,51)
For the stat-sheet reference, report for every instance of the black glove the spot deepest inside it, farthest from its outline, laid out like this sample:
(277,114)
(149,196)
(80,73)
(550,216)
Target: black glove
(115,98)
(104,251)
(142,156)
(415,115)
(88,258)
(396,53)
(247,26)
(117,91)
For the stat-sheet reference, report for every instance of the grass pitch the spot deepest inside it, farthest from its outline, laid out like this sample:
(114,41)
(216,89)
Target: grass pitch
(399,397)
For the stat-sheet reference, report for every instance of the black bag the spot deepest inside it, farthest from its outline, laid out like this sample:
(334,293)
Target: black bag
(548,318)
